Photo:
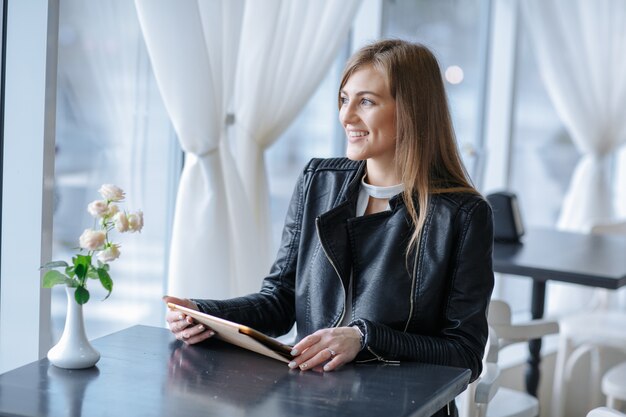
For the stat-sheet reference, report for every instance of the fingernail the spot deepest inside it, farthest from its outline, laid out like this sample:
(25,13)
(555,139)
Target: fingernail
(201,327)
(292,364)
(294,352)
(181,317)
(326,368)
(211,333)
(303,366)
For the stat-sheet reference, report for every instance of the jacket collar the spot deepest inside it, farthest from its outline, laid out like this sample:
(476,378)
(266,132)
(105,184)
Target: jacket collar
(333,231)
(352,192)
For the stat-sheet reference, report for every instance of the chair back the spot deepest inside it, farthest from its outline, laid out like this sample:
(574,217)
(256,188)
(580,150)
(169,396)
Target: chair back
(605,412)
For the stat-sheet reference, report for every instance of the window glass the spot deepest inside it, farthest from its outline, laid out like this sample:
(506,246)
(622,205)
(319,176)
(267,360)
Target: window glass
(315,133)
(543,156)
(542,159)
(457,33)
(112,127)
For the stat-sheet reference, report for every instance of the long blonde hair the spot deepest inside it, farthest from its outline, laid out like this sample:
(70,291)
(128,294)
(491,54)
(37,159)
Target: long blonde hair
(427,157)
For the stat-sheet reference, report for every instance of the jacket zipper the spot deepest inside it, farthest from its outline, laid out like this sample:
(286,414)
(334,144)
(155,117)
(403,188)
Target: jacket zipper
(411,296)
(343,311)
(319,236)
(380,358)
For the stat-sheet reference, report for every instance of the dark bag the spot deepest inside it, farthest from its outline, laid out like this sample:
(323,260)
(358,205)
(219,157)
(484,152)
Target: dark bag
(507,220)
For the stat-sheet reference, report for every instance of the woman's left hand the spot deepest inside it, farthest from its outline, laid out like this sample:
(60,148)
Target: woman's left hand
(336,346)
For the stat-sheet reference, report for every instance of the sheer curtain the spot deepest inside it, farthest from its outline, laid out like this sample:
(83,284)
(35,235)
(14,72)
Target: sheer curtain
(580,49)
(270,55)
(580,52)
(193,48)
(286,49)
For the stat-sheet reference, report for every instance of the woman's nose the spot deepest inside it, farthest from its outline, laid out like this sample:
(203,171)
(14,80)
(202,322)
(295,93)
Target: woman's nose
(347,114)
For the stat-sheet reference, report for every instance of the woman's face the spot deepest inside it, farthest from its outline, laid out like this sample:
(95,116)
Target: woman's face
(368,115)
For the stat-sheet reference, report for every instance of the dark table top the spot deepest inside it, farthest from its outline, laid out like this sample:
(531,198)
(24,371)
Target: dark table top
(592,260)
(144,371)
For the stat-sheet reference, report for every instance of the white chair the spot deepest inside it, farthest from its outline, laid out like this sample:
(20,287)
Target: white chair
(488,398)
(581,334)
(614,386)
(605,412)
(588,333)
(493,400)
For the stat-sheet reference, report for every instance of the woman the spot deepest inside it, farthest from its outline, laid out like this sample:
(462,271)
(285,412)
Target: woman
(385,255)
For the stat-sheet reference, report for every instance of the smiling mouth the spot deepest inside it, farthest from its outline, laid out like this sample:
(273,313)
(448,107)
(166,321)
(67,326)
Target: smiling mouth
(354,136)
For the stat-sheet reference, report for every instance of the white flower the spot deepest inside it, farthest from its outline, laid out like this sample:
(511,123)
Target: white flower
(111,192)
(113,210)
(109,254)
(121,222)
(135,221)
(98,208)
(92,239)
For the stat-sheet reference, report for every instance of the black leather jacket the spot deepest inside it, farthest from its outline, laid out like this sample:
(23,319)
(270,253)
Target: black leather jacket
(428,308)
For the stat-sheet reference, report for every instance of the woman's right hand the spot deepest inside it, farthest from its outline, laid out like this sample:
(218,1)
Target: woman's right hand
(184,327)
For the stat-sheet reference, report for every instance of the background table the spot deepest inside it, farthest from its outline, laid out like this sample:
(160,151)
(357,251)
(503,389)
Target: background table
(145,371)
(546,254)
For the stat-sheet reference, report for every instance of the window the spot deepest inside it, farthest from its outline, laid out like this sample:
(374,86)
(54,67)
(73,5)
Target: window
(112,128)
(315,133)
(540,147)
(457,33)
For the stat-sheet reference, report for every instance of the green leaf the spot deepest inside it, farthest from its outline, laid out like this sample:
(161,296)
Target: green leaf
(69,271)
(52,278)
(81,295)
(54,264)
(84,260)
(80,271)
(106,281)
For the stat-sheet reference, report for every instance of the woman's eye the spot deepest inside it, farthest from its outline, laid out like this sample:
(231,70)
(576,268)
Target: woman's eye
(343,100)
(367,102)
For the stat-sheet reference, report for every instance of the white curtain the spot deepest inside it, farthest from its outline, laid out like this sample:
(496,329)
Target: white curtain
(581,52)
(580,47)
(193,47)
(287,46)
(273,54)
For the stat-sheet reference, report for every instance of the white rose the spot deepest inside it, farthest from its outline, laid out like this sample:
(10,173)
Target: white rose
(109,254)
(121,222)
(113,210)
(98,208)
(135,221)
(92,239)
(111,192)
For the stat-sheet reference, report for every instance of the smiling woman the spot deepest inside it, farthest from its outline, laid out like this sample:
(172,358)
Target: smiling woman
(361,233)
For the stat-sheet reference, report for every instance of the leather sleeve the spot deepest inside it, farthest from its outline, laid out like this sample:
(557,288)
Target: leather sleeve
(272,309)
(462,340)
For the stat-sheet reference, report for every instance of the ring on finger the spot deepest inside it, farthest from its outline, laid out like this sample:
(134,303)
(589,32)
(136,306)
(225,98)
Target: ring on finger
(332,352)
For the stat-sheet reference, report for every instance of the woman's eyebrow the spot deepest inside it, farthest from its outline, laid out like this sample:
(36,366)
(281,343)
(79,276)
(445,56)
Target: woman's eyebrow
(362,93)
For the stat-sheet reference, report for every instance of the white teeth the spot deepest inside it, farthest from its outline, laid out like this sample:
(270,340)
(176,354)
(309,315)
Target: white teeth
(357,134)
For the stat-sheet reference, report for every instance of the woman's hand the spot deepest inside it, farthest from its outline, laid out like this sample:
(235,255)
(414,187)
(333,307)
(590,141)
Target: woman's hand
(336,346)
(184,327)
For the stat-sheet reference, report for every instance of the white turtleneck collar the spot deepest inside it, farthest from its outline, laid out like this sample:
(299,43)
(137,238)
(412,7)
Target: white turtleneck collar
(367,190)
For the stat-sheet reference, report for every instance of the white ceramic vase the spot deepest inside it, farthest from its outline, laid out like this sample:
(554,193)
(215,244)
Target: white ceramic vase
(73,350)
